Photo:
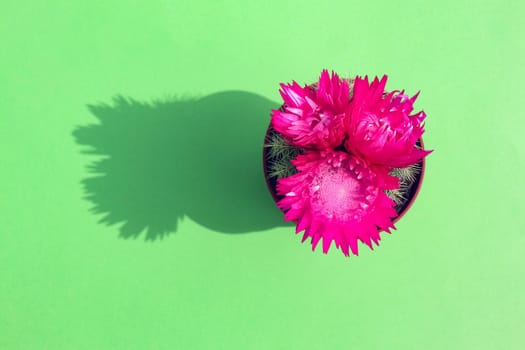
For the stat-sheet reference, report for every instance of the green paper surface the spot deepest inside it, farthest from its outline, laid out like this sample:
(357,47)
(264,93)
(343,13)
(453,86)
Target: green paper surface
(133,209)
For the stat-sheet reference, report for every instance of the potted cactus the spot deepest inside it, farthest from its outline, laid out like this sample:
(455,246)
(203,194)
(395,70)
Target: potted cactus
(344,159)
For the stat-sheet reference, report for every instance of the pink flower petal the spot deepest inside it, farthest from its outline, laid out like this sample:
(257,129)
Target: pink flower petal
(314,118)
(381,128)
(338,197)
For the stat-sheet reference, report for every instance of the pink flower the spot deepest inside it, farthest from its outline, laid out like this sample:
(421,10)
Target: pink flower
(338,197)
(313,118)
(380,128)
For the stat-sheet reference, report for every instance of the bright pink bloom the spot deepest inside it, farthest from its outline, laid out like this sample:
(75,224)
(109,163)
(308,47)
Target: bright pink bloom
(313,118)
(380,128)
(338,197)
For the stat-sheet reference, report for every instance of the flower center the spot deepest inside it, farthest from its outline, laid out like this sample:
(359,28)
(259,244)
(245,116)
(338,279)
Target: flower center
(338,192)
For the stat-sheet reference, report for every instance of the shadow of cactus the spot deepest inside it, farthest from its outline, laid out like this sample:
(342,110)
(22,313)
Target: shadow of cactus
(162,161)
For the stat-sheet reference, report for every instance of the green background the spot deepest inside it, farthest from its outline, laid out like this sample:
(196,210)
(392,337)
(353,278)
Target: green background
(133,211)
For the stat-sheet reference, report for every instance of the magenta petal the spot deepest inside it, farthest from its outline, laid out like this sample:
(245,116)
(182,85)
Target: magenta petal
(314,118)
(337,197)
(381,128)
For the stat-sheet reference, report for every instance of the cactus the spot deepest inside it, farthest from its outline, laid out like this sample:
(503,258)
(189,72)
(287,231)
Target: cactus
(407,180)
(279,156)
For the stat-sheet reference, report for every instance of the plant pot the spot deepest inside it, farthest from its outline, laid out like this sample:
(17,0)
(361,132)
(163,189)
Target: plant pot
(271,179)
